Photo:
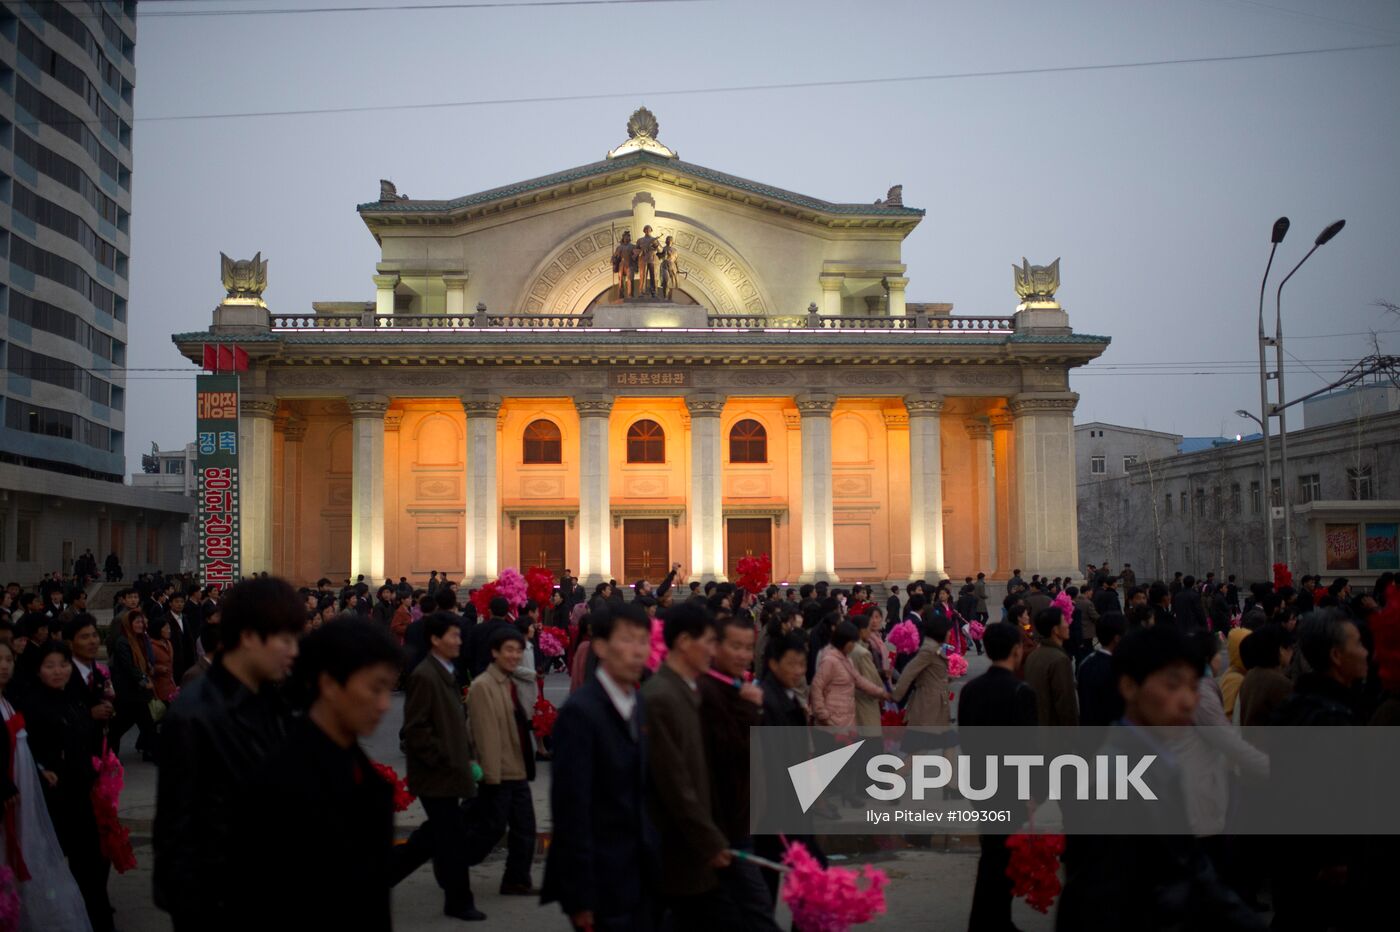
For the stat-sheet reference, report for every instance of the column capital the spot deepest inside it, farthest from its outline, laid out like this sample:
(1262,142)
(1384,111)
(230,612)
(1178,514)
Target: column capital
(386,280)
(1001,420)
(1048,403)
(831,281)
(594,407)
(924,405)
(256,406)
(978,430)
(393,420)
(895,283)
(456,280)
(291,427)
(816,405)
(481,405)
(368,406)
(705,405)
(895,420)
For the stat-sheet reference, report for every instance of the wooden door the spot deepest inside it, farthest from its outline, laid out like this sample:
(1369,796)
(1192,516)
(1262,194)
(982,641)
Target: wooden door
(646,550)
(542,544)
(748,537)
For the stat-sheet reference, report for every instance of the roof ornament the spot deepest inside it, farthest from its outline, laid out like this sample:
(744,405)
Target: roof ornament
(388,192)
(893,198)
(641,137)
(1036,284)
(245,280)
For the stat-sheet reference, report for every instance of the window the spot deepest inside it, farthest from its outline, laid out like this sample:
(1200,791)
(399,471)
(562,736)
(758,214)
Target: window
(1359,485)
(1200,503)
(1169,504)
(1309,488)
(1097,465)
(646,443)
(1184,512)
(1256,498)
(543,443)
(1234,498)
(1275,494)
(1129,460)
(748,442)
(24,541)
(175,467)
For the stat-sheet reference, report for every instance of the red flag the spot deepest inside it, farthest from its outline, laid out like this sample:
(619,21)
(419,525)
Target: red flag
(211,358)
(225,358)
(240,359)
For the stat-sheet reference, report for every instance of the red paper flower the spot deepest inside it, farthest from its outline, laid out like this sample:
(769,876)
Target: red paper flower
(482,597)
(1282,576)
(543,721)
(402,797)
(754,573)
(894,718)
(1034,868)
(539,586)
(830,899)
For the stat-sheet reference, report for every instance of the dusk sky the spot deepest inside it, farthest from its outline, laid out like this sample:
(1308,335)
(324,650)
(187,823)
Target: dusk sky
(1156,186)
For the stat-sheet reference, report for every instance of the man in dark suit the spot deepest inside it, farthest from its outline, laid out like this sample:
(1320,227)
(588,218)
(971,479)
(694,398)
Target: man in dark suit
(1100,703)
(693,846)
(1190,614)
(997,697)
(602,858)
(478,652)
(437,745)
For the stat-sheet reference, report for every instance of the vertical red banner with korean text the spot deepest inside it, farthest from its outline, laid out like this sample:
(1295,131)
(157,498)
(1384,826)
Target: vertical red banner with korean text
(216,438)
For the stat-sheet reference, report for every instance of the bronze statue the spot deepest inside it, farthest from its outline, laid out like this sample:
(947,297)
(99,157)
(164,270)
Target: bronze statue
(670,269)
(623,265)
(246,278)
(646,249)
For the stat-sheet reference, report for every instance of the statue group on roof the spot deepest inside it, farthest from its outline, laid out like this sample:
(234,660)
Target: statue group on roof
(636,266)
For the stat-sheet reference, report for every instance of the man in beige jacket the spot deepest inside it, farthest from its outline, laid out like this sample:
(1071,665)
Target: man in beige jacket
(501,736)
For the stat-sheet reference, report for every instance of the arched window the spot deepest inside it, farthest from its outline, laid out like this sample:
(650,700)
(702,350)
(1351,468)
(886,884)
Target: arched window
(543,443)
(646,443)
(748,442)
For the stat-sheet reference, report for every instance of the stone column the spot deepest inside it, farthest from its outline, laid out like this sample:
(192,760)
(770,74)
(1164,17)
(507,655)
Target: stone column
(367,488)
(895,288)
(594,495)
(925,486)
(831,293)
(1045,481)
(985,481)
(1004,452)
(293,433)
(456,285)
(818,518)
(483,513)
(255,482)
(706,488)
(384,286)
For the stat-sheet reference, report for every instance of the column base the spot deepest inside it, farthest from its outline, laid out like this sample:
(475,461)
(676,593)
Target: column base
(817,577)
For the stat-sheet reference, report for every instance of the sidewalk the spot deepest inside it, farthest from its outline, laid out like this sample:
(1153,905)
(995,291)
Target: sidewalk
(929,888)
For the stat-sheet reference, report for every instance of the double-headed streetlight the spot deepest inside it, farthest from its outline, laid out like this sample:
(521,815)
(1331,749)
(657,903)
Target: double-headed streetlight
(1280,230)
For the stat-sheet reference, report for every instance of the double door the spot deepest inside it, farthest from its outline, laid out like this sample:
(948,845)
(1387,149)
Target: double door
(646,549)
(746,537)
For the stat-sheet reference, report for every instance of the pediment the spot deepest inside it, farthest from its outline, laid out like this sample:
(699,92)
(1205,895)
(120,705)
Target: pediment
(395,210)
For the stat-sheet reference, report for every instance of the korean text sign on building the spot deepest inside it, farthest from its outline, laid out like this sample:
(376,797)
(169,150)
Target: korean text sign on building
(216,418)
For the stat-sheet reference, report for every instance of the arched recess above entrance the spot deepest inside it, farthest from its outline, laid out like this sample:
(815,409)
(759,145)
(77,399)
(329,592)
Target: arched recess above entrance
(579,269)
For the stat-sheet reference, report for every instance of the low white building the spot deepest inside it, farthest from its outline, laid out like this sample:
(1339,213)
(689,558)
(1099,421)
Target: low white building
(1205,511)
(173,472)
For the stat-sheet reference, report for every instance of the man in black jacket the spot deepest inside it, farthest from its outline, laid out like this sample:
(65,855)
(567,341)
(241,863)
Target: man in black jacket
(601,866)
(1099,700)
(478,647)
(214,737)
(997,697)
(1190,614)
(331,816)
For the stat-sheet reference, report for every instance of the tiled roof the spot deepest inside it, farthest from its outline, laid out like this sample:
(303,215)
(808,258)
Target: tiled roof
(607,166)
(503,337)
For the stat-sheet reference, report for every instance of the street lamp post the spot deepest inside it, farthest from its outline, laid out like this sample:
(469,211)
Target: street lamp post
(1330,231)
(1279,232)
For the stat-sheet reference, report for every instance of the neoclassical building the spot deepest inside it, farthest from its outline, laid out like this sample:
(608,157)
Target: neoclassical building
(497,405)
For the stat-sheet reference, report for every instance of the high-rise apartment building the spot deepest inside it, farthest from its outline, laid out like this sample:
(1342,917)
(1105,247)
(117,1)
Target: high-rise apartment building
(67,80)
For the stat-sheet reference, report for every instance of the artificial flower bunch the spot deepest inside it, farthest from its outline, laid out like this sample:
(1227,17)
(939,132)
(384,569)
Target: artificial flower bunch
(904,637)
(830,899)
(402,797)
(543,720)
(1034,868)
(754,573)
(113,837)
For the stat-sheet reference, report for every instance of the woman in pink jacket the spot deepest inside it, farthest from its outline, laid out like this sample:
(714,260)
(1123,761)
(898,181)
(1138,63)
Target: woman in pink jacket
(833,693)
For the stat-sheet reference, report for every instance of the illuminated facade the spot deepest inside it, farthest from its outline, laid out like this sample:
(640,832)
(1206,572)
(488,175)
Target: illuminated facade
(495,405)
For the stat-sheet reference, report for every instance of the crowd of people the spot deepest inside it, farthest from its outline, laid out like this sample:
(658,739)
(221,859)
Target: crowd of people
(253,702)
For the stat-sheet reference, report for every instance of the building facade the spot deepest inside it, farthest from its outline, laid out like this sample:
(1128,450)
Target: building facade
(1206,511)
(66,83)
(499,403)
